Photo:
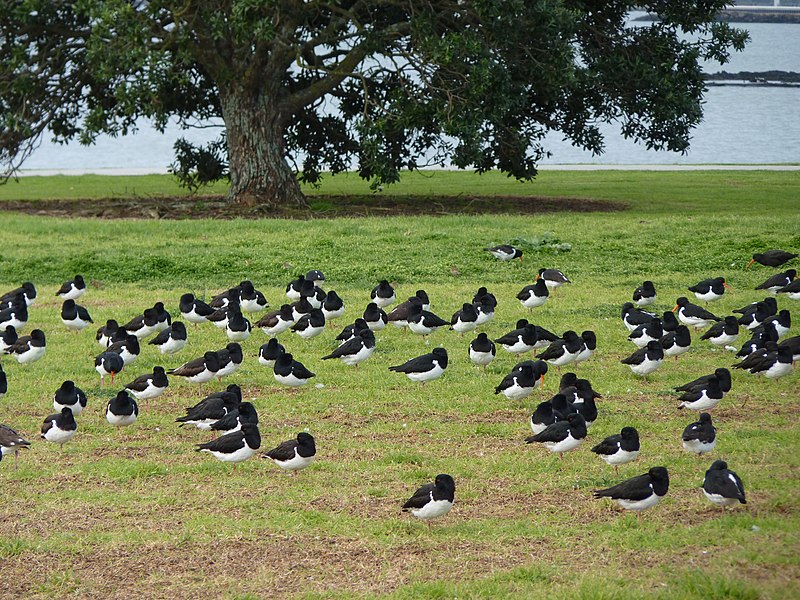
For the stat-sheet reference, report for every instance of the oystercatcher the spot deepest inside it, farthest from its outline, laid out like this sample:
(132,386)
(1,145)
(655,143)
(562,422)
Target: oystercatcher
(352,330)
(722,486)
(710,290)
(645,294)
(632,317)
(332,306)
(122,410)
(772,258)
(702,396)
(505,252)
(233,421)
(293,288)
(11,441)
(723,333)
(374,316)
(60,427)
(533,296)
(3,382)
(484,307)
(288,371)
(74,316)
(519,384)
(310,325)
(8,338)
(294,455)
(269,352)
(700,437)
(383,294)
(792,290)
(519,340)
(70,396)
(482,350)
(15,315)
(277,321)
(782,323)
(768,305)
(171,340)
(106,332)
(542,417)
(212,408)
(250,299)
(647,332)
(562,436)
(645,360)
(399,315)
(793,345)
(238,326)
(553,278)
(432,500)
(722,375)
(143,325)
(640,492)
(29,348)
(464,320)
(773,361)
(620,448)
(563,351)
(149,385)
(778,282)
(128,348)
(424,322)
(234,447)
(424,368)
(194,310)
(108,363)
(72,289)
(27,291)
(199,370)
(230,358)
(355,350)
(693,315)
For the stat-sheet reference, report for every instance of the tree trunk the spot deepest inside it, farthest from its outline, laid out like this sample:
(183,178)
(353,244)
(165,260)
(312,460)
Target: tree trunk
(256,152)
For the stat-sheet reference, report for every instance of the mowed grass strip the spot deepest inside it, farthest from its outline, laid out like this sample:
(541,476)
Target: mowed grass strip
(137,512)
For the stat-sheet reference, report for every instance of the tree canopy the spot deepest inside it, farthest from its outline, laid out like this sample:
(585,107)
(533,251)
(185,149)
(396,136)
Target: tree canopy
(307,86)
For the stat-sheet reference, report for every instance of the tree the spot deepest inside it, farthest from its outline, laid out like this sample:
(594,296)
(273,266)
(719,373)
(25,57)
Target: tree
(384,84)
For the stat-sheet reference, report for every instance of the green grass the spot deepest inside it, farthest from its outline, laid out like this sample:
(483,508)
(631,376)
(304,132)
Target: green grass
(138,512)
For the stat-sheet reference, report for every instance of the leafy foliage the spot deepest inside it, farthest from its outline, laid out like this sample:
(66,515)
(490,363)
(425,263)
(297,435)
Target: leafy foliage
(385,84)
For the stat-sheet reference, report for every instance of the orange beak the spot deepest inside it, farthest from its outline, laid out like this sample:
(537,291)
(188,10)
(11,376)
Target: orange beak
(750,263)
(726,285)
(542,380)
(676,308)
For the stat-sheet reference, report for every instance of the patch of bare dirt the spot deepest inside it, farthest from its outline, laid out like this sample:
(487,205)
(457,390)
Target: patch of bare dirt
(217,207)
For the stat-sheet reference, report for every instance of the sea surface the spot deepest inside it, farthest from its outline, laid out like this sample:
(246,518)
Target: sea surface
(742,124)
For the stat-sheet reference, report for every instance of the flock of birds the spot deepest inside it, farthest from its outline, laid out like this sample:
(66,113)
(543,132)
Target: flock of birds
(560,423)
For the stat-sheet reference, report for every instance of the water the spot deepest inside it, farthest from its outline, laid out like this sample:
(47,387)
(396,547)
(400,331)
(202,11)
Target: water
(742,125)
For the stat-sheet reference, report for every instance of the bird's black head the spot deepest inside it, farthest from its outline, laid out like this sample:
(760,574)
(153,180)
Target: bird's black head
(212,361)
(38,335)
(568,379)
(445,482)
(660,478)
(179,327)
(68,386)
(705,418)
(235,350)
(539,368)
(522,323)
(68,305)
(306,439)
(718,465)
(422,295)
(629,433)
(248,413)
(482,337)
(441,355)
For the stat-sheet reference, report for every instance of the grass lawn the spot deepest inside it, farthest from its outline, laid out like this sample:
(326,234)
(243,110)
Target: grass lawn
(136,513)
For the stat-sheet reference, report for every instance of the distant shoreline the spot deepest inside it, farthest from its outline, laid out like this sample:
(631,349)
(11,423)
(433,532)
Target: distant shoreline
(791,16)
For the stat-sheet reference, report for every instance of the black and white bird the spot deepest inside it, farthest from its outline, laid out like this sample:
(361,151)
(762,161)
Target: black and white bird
(424,368)
(703,396)
(355,350)
(12,442)
(234,447)
(700,437)
(238,327)
(485,307)
(769,305)
(721,374)
(505,252)
(756,314)
(171,340)
(647,332)
(29,348)
(122,410)
(8,338)
(588,346)
(772,362)
(375,317)
(108,363)
(233,421)
(645,294)
(793,345)
(792,290)
(710,290)
(269,352)
(223,299)
(288,371)
(482,350)
(163,318)
(194,310)
(72,289)
(294,455)
(564,350)
(293,288)
(632,317)
(60,427)
(535,295)
(723,333)
(519,340)
(149,385)
(230,359)
(432,500)
(777,282)
(106,332)
(3,382)
(212,408)
(400,313)
(562,436)
(781,322)
(520,383)
(300,308)
(640,492)
(70,396)
(423,322)
(219,318)
(128,348)
(314,276)
(310,325)
(250,299)
(383,294)
(198,370)
(277,321)
(27,292)
(722,486)
(15,315)
(332,307)
(542,417)
(693,315)
(676,342)
(620,448)
(465,319)
(143,325)
(553,278)
(314,294)
(645,360)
